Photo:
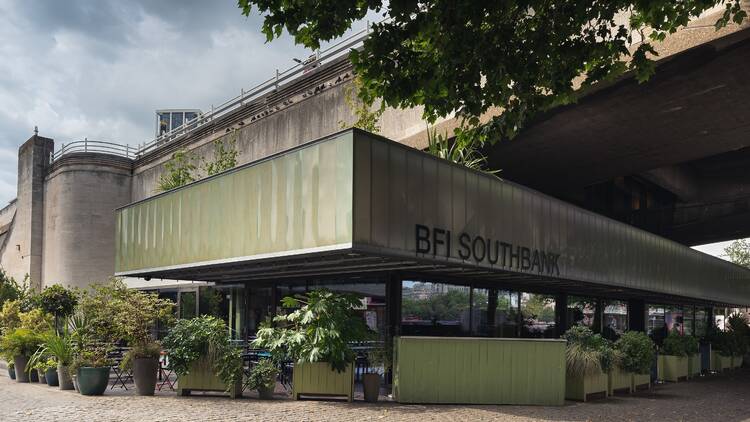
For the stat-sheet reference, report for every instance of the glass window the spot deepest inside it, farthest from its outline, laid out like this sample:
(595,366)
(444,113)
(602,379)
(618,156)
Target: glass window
(701,322)
(494,313)
(657,329)
(674,320)
(163,123)
(188,305)
(581,310)
(615,319)
(373,299)
(538,313)
(176,120)
(435,309)
(190,116)
(688,316)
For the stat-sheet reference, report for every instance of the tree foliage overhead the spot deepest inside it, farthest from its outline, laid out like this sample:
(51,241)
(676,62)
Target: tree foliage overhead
(739,252)
(469,56)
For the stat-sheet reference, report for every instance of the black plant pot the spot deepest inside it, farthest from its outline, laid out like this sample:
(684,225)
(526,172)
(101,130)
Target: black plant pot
(34,376)
(266,392)
(12,373)
(20,363)
(51,376)
(42,377)
(92,381)
(144,375)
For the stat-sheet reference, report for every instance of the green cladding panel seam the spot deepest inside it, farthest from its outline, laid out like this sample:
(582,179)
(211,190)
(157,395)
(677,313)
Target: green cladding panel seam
(296,201)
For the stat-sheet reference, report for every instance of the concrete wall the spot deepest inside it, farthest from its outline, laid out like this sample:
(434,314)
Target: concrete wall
(312,118)
(22,253)
(80,199)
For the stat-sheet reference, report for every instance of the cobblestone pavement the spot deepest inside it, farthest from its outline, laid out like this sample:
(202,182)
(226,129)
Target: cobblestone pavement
(724,398)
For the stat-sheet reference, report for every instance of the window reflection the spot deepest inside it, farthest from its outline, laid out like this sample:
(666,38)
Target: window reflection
(435,309)
(538,314)
(494,313)
(701,322)
(581,310)
(615,319)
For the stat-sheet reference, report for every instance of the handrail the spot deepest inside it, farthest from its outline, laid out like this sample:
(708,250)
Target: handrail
(256,92)
(246,96)
(99,147)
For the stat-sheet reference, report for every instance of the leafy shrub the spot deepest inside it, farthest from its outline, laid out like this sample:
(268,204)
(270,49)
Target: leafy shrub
(587,353)
(58,301)
(191,339)
(319,330)
(20,342)
(677,344)
(10,318)
(91,357)
(636,352)
(263,374)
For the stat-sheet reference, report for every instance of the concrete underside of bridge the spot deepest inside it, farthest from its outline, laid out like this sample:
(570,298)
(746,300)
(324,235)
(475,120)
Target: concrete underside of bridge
(670,155)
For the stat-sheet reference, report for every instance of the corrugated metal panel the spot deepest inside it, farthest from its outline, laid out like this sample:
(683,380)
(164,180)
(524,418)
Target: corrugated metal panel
(479,371)
(295,202)
(593,248)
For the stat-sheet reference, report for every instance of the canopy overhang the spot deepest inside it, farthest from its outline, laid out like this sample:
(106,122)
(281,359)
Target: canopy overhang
(354,204)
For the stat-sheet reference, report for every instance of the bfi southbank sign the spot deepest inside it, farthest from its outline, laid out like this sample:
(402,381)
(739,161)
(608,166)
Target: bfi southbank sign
(440,242)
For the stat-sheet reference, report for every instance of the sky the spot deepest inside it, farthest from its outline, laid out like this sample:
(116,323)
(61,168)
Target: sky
(98,69)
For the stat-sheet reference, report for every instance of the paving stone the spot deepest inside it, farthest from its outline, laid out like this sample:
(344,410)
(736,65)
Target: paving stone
(713,398)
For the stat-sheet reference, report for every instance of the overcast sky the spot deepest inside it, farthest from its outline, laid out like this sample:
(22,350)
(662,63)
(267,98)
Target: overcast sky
(100,68)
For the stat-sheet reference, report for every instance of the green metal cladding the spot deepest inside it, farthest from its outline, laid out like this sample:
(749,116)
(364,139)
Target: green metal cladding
(319,379)
(295,202)
(479,370)
(357,192)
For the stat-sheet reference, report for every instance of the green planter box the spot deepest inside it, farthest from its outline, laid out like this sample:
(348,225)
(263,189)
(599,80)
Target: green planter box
(694,365)
(320,380)
(717,363)
(641,382)
(472,370)
(580,388)
(736,361)
(673,368)
(619,380)
(202,378)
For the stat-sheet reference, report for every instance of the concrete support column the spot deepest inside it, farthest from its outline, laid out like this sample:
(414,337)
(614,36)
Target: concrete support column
(637,315)
(22,254)
(561,313)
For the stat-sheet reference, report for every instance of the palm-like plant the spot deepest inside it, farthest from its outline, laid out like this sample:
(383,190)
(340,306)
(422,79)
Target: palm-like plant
(460,150)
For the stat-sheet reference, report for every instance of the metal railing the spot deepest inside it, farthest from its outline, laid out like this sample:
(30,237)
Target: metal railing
(258,91)
(254,94)
(96,147)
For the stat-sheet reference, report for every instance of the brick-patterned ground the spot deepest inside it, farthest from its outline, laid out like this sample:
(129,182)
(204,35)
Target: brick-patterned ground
(724,398)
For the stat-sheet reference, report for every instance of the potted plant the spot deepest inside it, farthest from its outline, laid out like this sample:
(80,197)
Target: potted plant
(738,341)
(316,335)
(377,360)
(92,370)
(138,312)
(263,378)
(49,369)
(21,343)
(692,350)
(636,356)
(588,358)
(61,348)
(673,360)
(58,301)
(721,349)
(203,357)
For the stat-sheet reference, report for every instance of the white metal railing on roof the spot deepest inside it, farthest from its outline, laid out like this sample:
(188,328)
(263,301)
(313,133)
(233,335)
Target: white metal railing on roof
(258,91)
(255,93)
(100,147)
